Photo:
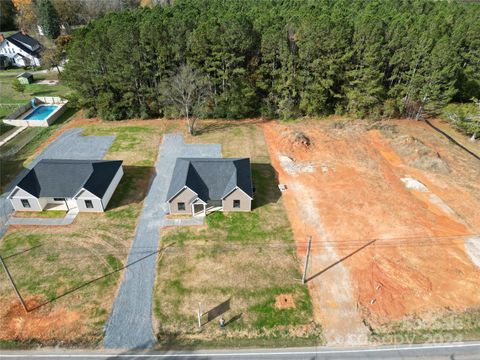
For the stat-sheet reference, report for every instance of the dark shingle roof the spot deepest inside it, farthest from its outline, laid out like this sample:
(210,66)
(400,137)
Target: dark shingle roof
(25,75)
(65,178)
(26,43)
(211,178)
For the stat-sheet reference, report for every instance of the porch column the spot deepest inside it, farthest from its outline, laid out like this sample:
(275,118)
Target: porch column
(204,210)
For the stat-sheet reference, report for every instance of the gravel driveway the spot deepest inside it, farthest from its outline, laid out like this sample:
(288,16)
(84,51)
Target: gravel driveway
(130,323)
(69,145)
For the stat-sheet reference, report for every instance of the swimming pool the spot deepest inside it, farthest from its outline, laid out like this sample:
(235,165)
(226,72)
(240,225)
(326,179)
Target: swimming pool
(42,112)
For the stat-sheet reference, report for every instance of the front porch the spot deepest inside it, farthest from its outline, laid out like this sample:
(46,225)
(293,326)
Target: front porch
(200,208)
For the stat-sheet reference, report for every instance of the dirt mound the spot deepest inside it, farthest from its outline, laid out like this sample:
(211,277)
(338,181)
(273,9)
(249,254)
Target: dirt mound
(420,155)
(38,325)
(284,301)
(299,138)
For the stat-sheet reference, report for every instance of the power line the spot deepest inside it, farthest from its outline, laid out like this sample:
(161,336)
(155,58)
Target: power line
(226,246)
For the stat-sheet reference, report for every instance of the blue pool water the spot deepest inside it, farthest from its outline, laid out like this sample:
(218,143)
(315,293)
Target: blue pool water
(41,113)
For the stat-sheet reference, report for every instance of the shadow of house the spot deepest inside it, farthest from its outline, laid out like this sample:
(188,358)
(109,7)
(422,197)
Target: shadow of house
(133,187)
(265,182)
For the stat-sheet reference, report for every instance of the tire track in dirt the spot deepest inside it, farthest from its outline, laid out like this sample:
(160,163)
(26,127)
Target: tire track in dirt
(329,283)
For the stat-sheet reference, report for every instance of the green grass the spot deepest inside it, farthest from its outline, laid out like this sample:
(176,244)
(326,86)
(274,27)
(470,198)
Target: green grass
(8,95)
(41,214)
(268,316)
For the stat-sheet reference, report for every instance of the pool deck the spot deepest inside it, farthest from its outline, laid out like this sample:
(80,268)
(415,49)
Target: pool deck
(19,116)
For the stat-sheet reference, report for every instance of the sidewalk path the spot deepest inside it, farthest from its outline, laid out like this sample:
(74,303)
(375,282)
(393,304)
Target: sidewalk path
(130,322)
(66,220)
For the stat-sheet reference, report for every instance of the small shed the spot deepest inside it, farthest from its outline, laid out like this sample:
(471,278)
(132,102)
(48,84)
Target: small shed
(25,78)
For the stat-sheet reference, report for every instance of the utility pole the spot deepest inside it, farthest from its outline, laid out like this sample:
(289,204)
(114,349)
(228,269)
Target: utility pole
(305,266)
(13,284)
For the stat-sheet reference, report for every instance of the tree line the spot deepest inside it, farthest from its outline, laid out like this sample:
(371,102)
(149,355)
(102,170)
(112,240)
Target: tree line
(284,58)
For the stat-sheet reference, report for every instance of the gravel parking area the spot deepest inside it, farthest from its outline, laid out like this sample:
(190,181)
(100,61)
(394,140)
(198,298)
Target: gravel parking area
(130,323)
(69,145)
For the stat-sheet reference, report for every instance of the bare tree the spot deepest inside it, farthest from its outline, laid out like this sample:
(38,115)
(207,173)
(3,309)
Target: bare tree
(186,91)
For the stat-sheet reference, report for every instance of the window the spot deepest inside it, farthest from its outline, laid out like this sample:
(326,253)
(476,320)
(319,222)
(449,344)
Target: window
(181,206)
(58,199)
(236,204)
(88,204)
(25,203)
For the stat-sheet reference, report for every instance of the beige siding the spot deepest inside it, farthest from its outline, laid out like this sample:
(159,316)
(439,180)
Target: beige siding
(185,196)
(245,201)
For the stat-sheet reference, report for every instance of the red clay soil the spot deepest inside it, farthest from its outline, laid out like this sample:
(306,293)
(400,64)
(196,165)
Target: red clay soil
(418,266)
(41,325)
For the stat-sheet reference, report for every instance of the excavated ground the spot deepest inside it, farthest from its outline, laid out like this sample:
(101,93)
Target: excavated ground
(394,212)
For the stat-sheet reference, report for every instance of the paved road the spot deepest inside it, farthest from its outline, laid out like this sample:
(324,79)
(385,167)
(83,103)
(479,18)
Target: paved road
(457,351)
(69,145)
(130,323)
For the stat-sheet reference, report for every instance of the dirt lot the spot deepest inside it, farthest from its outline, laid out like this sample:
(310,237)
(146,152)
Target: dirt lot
(393,209)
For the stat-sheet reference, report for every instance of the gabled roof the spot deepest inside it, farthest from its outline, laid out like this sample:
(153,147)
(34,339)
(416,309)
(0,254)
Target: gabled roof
(24,75)
(26,43)
(211,178)
(65,178)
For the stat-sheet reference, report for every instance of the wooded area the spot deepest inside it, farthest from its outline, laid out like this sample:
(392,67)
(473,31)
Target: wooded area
(367,58)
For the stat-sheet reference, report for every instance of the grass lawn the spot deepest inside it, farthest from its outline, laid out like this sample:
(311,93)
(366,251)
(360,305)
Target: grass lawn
(75,266)
(41,214)
(246,258)
(10,99)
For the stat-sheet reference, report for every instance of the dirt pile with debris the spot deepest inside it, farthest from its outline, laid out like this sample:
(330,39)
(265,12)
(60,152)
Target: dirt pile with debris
(419,155)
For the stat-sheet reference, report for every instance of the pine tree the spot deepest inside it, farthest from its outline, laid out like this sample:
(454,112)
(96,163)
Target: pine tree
(48,19)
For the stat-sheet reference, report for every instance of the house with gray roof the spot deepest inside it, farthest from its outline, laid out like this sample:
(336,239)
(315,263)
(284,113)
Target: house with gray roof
(201,185)
(79,185)
(21,48)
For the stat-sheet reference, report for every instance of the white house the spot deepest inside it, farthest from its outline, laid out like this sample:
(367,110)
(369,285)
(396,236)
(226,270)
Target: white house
(22,49)
(83,185)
